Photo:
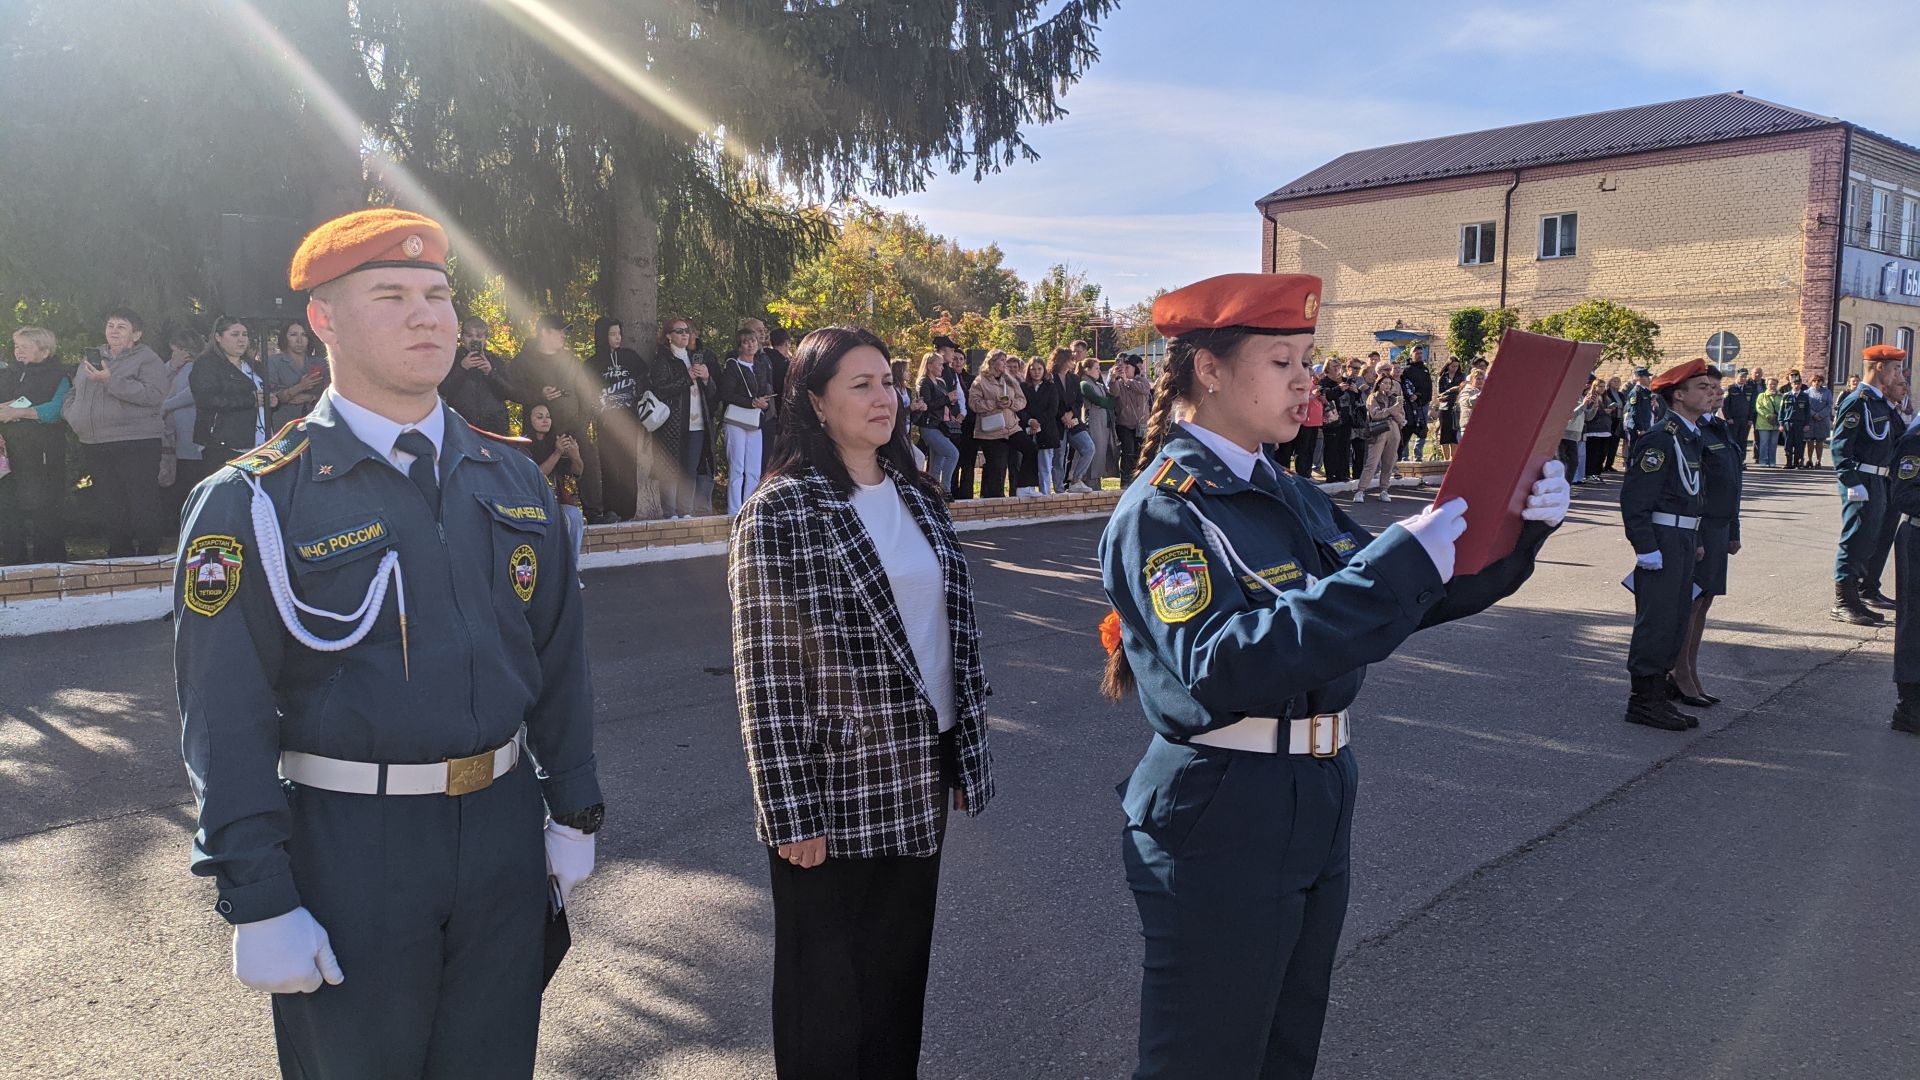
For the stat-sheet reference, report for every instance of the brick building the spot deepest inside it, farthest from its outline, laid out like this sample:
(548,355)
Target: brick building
(1798,234)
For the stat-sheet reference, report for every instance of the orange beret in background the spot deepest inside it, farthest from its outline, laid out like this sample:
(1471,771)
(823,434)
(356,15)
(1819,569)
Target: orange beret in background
(1680,373)
(1875,354)
(366,239)
(1266,303)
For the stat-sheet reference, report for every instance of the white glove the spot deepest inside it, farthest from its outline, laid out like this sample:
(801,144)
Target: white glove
(1551,496)
(569,857)
(1437,527)
(287,954)
(1652,560)
(1857,493)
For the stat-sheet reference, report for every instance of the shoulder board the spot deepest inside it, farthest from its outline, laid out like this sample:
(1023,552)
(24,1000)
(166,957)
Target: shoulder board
(1173,478)
(510,440)
(1673,427)
(289,443)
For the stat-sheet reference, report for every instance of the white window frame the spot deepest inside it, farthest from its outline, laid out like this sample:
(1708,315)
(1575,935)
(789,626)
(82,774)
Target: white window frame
(1479,231)
(1872,334)
(1877,220)
(1559,233)
(1903,339)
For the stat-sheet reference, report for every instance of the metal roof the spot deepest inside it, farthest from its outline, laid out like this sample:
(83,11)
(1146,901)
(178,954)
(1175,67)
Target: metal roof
(1714,118)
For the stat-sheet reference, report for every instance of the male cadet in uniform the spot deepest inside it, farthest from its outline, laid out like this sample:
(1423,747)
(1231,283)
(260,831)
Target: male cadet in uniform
(1738,410)
(1903,493)
(1866,429)
(381,849)
(1660,505)
(1639,407)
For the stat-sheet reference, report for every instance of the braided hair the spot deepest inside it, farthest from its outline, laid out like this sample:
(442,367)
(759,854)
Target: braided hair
(1174,386)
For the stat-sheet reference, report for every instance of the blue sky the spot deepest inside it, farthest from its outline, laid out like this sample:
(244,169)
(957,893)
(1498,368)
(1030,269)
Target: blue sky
(1199,107)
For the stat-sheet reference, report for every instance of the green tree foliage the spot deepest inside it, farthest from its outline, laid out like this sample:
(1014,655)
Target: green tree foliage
(889,273)
(1467,334)
(1060,308)
(1624,335)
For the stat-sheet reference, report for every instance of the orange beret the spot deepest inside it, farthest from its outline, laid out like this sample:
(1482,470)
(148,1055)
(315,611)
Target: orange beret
(1875,354)
(366,239)
(1264,303)
(1680,373)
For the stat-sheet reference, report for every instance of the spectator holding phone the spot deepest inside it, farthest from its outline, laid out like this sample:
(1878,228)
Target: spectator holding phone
(114,410)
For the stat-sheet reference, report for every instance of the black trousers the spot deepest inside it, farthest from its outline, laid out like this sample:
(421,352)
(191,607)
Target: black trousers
(993,483)
(1023,461)
(1662,603)
(126,493)
(1906,603)
(32,505)
(1129,444)
(1298,454)
(186,473)
(619,463)
(1358,452)
(963,476)
(1338,455)
(1796,439)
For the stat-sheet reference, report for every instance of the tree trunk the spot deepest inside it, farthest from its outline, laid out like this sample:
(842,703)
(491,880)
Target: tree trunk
(636,301)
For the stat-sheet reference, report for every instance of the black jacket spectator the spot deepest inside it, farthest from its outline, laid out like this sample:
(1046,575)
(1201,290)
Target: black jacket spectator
(228,417)
(480,397)
(1044,405)
(1417,381)
(667,377)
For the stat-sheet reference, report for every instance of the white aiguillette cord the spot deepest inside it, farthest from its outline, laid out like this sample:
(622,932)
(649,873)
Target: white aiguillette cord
(273,562)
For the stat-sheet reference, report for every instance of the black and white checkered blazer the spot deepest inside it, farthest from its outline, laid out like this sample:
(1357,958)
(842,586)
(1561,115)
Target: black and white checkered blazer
(842,739)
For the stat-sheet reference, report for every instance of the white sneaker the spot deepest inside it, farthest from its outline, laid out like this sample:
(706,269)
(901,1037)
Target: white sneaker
(1027,492)
(1079,488)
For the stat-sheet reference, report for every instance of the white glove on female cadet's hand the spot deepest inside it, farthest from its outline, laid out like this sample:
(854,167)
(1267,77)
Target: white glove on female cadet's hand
(569,857)
(1857,493)
(1652,560)
(1437,527)
(1551,495)
(287,954)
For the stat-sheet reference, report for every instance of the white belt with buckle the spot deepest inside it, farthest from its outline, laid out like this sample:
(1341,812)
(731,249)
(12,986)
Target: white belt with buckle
(1676,521)
(454,776)
(1874,470)
(1321,735)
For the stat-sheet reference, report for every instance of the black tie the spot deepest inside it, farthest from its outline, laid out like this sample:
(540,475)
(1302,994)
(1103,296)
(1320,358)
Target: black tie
(422,471)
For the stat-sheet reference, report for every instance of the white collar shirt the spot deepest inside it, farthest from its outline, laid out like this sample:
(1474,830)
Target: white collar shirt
(381,433)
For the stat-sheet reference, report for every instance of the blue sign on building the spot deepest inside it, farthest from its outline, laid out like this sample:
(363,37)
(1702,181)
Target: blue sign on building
(1875,275)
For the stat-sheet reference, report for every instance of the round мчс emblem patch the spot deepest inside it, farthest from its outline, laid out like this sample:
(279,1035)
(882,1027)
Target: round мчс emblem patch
(523,569)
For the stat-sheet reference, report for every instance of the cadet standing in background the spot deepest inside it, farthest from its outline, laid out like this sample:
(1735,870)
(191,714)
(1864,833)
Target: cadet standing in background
(1866,429)
(1660,506)
(381,850)
(1722,468)
(1639,407)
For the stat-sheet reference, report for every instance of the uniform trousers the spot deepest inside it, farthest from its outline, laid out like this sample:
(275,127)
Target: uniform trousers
(1906,612)
(1859,556)
(1238,863)
(1882,541)
(1338,455)
(1128,441)
(1662,604)
(436,907)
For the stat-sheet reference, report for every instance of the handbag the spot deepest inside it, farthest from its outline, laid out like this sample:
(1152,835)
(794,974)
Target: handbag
(742,416)
(1377,429)
(992,422)
(652,411)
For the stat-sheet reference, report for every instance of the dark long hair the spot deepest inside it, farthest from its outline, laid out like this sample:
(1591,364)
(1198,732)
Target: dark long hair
(1174,386)
(601,352)
(802,441)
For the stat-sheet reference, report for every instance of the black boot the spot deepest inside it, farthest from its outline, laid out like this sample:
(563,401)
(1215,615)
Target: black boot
(1874,597)
(1649,706)
(1906,715)
(1849,608)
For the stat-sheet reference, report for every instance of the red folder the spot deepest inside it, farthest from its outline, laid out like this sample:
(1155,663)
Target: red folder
(1531,391)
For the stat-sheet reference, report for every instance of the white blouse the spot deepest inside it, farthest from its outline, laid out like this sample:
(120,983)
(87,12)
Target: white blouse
(919,591)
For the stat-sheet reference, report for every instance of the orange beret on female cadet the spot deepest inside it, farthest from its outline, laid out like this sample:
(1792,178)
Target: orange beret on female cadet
(1680,373)
(366,240)
(1260,303)
(1881,354)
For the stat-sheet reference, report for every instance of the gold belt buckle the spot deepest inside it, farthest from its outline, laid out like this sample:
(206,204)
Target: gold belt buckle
(467,775)
(1313,735)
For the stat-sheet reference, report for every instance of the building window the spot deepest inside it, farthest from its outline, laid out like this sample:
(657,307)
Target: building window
(1476,244)
(1910,228)
(1903,339)
(1557,235)
(1877,224)
(1851,213)
(1874,335)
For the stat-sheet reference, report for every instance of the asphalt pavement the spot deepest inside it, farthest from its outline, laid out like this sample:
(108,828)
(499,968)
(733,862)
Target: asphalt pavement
(1540,889)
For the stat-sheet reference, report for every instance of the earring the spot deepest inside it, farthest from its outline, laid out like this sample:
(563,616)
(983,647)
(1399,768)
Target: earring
(1213,389)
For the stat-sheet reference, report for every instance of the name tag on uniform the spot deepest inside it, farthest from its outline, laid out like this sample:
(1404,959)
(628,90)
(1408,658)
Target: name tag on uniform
(368,534)
(532,512)
(1277,576)
(516,511)
(1343,544)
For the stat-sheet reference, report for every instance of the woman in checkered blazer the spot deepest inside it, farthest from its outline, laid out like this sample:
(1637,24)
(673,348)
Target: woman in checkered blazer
(862,706)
